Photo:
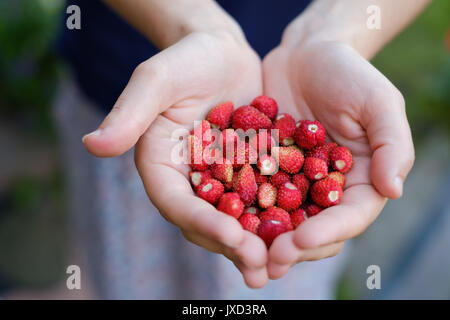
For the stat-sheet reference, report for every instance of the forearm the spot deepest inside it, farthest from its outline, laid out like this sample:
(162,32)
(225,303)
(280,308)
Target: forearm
(346,21)
(164,22)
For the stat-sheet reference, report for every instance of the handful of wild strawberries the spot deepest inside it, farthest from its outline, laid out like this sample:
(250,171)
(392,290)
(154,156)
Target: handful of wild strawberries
(285,173)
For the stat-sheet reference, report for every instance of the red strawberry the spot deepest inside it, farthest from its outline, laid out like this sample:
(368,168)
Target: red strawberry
(262,141)
(223,171)
(319,152)
(198,177)
(245,185)
(311,209)
(220,115)
(309,134)
(231,204)
(252,210)
(229,138)
(266,105)
(211,190)
(326,192)
(279,178)
(289,197)
(285,125)
(315,168)
(278,214)
(341,159)
(267,195)
(298,216)
(338,177)
(302,184)
(250,222)
(289,159)
(195,150)
(204,133)
(270,229)
(247,117)
(259,178)
(267,165)
(244,154)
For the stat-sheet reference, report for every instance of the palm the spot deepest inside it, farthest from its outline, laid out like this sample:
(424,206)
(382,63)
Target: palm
(333,84)
(210,78)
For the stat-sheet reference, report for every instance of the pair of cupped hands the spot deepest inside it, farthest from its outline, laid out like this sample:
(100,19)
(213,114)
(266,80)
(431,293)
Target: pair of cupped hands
(312,79)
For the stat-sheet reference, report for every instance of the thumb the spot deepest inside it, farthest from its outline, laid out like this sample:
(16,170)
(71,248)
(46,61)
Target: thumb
(390,139)
(134,111)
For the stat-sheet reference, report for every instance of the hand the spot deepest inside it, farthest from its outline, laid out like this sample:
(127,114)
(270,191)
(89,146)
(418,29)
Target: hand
(170,91)
(329,81)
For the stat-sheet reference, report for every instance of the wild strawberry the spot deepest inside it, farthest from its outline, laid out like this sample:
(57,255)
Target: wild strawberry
(231,204)
(220,115)
(326,192)
(223,171)
(289,159)
(315,168)
(251,210)
(267,165)
(211,190)
(262,141)
(268,230)
(341,159)
(319,152)
(266,105)
(245,185)
(195,150)
(198,177)
(285,125)
(338,177)
(259,178)
(289,197)
(250,222)
(311,209)
(302,184)
(309,134)
(298,216)
(267,195)
(244,154)
(247,117)
(278,214)
(228,139)
(204,133)
(279,179)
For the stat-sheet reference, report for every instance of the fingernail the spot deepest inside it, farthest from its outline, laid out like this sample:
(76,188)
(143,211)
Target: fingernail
(398,182)
(93,133)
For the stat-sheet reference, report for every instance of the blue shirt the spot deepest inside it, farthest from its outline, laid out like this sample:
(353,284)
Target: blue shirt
(104,53)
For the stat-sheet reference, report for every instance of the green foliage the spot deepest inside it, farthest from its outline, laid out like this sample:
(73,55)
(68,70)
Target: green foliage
(418,63)
(28,68)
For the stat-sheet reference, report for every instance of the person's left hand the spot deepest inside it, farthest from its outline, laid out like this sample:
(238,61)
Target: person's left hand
(362,110)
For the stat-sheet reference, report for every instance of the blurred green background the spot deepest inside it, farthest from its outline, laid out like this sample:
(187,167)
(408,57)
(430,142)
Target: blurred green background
(33,218)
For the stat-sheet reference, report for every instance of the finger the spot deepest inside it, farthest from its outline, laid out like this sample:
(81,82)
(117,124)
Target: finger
(252,251)
(276,270)
(203,242)
(254,278)
(155,85)
(359,207)
(390,139)
(170,192)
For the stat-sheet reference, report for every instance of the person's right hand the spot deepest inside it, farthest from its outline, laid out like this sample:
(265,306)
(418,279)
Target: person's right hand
(170,91)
